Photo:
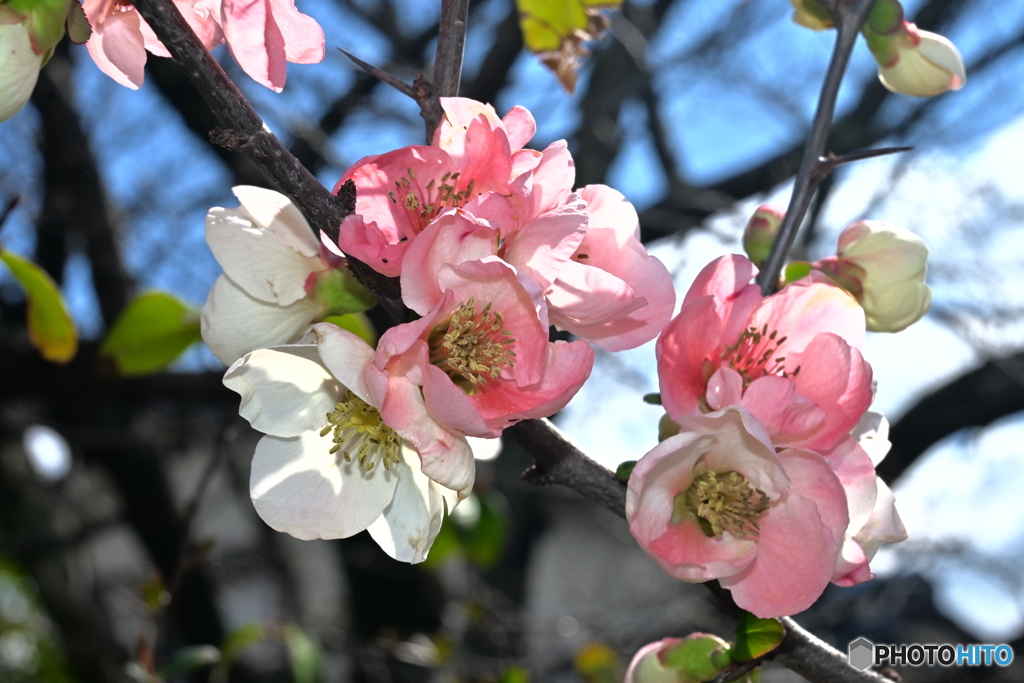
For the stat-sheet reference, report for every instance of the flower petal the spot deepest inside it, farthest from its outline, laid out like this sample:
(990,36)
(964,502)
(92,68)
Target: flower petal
(346,356)
(275,212)
(256,259)
(299,487)
(411,521)
(234,323)
(286,391)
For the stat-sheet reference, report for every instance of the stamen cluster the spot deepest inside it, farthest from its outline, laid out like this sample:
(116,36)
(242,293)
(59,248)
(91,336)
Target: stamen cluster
(725,501)
(475,347)
(357,429)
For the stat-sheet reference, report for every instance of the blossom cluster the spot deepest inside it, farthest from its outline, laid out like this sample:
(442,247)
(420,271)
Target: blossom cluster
(768,482)
(492,247)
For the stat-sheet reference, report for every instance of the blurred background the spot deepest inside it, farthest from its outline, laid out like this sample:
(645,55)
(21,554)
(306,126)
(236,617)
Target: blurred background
(126,530)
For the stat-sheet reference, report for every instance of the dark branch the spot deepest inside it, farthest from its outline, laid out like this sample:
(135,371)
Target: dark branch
(243,130)
(849,22)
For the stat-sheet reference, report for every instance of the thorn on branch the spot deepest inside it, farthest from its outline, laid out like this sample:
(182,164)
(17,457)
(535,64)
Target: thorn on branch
(382,75)
(826,164)
(234,140)
(421,90)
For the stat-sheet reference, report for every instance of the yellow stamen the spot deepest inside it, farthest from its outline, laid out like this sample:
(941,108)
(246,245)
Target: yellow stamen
(358,431)
(722,501)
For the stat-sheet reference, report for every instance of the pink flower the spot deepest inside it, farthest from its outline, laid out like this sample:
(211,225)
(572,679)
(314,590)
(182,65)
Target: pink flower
(874,521)
(398,194)
(261,35)
(480,361)
(792,359)
(717,502)
(598,280)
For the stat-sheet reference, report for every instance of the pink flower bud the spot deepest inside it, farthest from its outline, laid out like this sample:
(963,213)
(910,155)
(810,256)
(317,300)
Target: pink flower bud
(760,233)
(697,658)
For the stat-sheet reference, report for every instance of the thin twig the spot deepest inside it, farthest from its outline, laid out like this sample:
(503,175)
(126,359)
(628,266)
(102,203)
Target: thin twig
(11,205)
(849,19)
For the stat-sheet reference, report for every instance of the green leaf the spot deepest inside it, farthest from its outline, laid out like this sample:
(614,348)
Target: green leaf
(796,270)
(304,655)
(50,327)
(338,289)
(356,323)
(624,470)
(756,637)
(189,659)
(239,639)
(598,663)
(654,399)
(151,333)
(78,25)
(515,674)
(554,30)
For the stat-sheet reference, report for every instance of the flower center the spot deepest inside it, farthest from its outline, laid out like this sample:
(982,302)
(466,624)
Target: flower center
(756,353)
(722,501)
(422,204)
(358,431)
(473,348)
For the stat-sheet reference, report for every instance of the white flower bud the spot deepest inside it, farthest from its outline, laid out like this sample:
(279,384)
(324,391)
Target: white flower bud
(884,268)
(19,68)
(927,64)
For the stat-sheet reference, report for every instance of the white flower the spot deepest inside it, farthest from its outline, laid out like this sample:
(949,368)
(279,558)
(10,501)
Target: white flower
(328,466)
(19,68)
(276,279)
(926,65)
(884,268)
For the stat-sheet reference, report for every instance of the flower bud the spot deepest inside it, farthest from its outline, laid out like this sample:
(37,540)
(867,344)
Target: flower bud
(697,658)
(916,63)
(884,268)
(760,233)
(811,14)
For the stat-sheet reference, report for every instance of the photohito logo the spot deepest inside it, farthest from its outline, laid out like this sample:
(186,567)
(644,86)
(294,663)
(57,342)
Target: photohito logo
(862,653)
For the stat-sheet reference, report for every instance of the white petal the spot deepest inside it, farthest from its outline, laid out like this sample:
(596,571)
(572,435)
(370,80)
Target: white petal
(256,258)
(20,69)
(410,523)
(277,214)
(298,487)
(347,356)
(234,323)
(285,391)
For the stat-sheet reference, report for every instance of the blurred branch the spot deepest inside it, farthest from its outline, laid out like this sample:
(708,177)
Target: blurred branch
(813,167)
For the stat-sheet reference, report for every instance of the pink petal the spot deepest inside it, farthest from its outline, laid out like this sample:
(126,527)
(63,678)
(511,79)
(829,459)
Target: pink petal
(788,416)
(801,311)
(365,242)
(688,340)
(567,367)
(583,296)
(255,41)
(798,544)
(475,138)
(520,126)
(724,278)
(545,244)
(725,388)
(452,238)
(303,37)
(854,469)
(553,178)
(836,377)
(609,209)
(388,195)
(645,275)
(117,45)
